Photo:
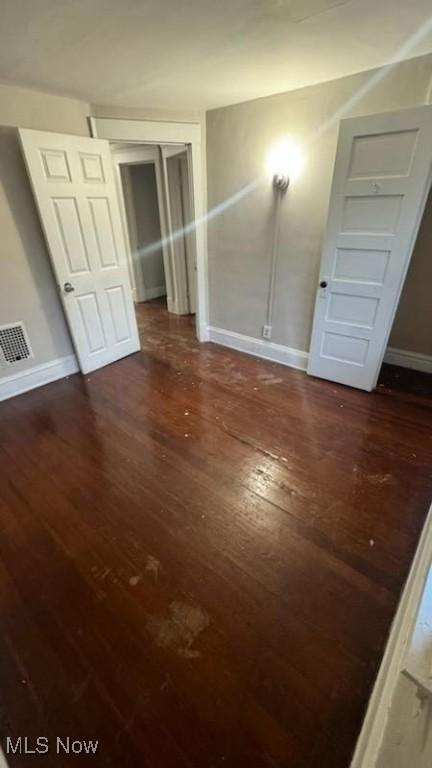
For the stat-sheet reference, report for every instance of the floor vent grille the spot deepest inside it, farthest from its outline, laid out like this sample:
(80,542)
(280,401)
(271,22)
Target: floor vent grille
(14,343)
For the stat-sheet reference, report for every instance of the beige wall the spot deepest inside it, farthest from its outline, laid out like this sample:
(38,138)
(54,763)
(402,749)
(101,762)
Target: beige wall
(412,327)
(239,239)
(146,212)
(27,287)
(146,113)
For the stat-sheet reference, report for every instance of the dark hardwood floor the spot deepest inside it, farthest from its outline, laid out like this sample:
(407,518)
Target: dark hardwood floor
(201,554)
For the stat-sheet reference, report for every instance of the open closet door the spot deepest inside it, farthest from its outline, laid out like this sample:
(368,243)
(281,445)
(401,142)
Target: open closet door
(73,185)
(380,184)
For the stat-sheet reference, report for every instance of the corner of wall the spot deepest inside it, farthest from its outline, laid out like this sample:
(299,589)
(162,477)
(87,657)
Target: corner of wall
(28,292)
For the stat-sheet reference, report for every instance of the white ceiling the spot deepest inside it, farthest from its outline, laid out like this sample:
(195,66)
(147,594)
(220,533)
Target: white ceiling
(199,54)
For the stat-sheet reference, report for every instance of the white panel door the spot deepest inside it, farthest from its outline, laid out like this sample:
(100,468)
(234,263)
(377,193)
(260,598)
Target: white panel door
(380,183)
(74,189)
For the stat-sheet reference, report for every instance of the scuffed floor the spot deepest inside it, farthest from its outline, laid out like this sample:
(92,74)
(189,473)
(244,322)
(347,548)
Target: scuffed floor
(201,554)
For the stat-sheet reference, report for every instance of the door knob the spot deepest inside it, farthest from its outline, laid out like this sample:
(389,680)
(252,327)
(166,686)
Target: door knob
(323,284)
(68,288)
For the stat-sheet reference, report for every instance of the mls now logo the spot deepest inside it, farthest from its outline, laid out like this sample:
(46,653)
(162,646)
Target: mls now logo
(22,745)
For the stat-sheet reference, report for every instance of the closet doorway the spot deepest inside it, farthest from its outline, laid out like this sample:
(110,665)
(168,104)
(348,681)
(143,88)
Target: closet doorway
(153,186)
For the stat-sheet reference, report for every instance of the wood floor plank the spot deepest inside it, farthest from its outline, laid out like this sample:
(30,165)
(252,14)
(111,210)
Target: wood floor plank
(201,554)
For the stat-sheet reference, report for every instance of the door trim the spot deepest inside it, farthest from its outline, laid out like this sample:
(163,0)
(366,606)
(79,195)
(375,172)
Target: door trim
(371,736)
(124,158)
(176,238)
(166,132)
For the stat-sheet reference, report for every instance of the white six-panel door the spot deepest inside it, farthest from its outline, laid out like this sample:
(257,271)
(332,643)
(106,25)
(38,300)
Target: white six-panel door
(73,184)
(381,179)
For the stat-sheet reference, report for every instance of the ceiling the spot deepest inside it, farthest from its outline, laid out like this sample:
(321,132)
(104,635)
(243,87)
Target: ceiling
(199,54)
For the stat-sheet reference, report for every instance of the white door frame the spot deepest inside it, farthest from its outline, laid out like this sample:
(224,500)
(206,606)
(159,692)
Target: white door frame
(127,156)
(176,237)
(158,132)
(189,240)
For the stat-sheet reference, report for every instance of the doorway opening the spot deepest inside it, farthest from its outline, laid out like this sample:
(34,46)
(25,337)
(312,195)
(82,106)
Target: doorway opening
(408,361)
(154,191)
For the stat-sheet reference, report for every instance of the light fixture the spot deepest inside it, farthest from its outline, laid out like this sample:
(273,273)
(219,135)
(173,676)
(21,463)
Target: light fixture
(284,162)
(281,181)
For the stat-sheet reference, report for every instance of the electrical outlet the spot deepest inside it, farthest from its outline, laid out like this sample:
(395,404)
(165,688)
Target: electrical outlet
(266,331)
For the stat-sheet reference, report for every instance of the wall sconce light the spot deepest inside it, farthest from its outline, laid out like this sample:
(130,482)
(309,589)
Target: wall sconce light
(284,162)
(281,181)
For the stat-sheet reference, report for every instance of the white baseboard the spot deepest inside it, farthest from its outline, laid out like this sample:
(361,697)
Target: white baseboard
(37,376)
(278,353)
(372,733)
(414,360)
(203,332)
(154,293)
(297,358)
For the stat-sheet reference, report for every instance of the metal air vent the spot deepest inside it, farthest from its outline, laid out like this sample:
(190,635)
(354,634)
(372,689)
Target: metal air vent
(14,343)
